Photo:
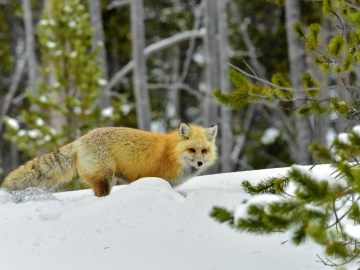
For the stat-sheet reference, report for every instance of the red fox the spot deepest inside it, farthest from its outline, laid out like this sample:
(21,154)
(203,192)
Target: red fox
(103,153)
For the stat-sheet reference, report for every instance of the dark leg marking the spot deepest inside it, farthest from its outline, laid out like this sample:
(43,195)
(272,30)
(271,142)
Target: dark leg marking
(101,188)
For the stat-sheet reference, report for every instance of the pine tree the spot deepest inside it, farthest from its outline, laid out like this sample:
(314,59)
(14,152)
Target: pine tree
(71,81)
(337,57)
(324,210)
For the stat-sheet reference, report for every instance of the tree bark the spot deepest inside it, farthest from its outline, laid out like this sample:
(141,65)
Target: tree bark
(297,66)
(173,106)
(98,40)
(226,112)
(212,57)
(30,45)
(139,75)
(57,119)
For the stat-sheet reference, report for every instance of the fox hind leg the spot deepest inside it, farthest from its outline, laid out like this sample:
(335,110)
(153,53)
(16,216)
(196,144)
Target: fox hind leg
(98,177)
(101,182)
(99,173)
(102,188)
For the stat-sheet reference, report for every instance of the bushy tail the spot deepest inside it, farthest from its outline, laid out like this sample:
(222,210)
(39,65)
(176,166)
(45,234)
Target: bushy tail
(49,170)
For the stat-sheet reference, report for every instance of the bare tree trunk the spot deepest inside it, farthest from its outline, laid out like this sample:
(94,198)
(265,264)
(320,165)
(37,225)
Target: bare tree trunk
(297,67)
(30,45)
(57,119)
(250,47)
(226,112)
(212,57)
(98,40)
(139,75)
(173,106)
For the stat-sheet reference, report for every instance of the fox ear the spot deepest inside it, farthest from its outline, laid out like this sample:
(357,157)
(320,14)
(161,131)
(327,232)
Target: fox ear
(184,131)
(211,132)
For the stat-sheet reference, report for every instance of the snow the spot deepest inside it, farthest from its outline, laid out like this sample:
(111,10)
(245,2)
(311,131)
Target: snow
(47,138)
(102,82)
(143,225)
(12,123)
(270,135)
(126,108)
(34,133)
(356,130)
(263,199)
(43,99)
(330,137)
(52,131)
(318,175)
(22,132)
(39,122)
(72,24)
(68,9)
(73,54)
(353,231)
(344,138)
(77,110)
(107,112)
(51,44)
(44,22)
(199,58)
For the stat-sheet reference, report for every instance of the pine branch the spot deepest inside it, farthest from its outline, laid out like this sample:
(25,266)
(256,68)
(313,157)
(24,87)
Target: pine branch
(222,215)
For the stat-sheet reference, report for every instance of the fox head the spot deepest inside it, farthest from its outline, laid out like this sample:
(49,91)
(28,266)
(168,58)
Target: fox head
(197,147)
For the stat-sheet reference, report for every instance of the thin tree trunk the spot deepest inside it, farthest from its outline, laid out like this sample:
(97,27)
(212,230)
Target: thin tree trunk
(173,106)
(250,47)
(139,75)
(212,57)
(226,112)
(30,45)
(297,67)
(57,119)
(98,40)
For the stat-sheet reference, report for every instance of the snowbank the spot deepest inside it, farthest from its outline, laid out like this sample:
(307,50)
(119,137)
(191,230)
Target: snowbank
(145,225)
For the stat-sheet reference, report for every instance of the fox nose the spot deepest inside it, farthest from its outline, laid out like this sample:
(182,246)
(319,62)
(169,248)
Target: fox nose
(199,163)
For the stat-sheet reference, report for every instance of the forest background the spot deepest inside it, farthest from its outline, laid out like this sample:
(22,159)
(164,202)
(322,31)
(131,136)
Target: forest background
(68,66)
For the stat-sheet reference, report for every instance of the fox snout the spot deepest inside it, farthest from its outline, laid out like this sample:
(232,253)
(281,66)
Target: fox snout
(198,163)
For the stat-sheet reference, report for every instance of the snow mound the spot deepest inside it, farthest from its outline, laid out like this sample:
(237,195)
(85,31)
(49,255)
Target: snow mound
(146,225)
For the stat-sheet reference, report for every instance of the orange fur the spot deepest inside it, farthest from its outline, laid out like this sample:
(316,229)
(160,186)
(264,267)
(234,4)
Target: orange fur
(127,153)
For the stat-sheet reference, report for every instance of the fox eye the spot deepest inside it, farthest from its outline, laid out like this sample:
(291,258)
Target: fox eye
(204,151)
(191,150)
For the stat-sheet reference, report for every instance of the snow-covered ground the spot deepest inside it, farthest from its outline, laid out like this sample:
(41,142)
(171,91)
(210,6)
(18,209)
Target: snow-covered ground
(142,226)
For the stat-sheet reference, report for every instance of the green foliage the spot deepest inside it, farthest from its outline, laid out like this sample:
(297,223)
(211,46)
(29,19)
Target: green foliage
(315,208)
(222,215)
(299,30)
(270,186)
(311,86)
(312,39)
(244,93)
(71,84)
(336,45)
(339,54)
(327,6)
